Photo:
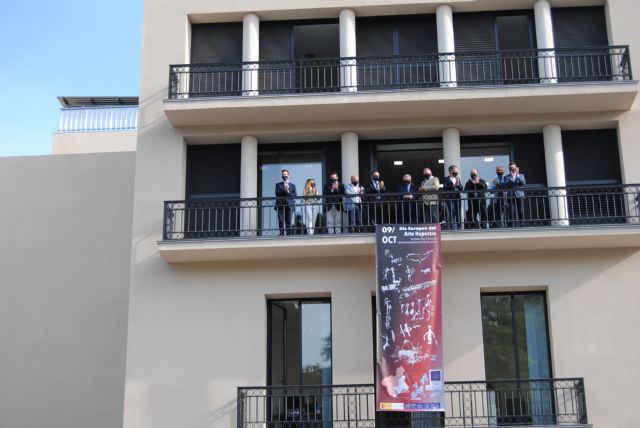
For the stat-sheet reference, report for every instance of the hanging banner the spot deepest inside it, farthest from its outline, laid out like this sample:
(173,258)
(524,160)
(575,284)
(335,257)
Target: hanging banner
(409,300)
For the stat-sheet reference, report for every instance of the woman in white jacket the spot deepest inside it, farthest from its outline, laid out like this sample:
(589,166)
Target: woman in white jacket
(311,205)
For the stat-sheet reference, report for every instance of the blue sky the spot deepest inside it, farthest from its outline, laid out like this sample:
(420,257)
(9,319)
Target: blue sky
(64,47)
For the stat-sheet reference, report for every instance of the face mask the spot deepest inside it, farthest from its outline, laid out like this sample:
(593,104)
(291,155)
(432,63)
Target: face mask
(406,181)
(355,183)
(334,180)
(474,176)
(376,178)
(512,170)
(427,176)
(500,174)
(285,177)
(455,174)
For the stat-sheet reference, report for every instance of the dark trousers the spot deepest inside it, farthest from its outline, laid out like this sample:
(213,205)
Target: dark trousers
(477,213)
(284,219)
(516,211)
(430,213)
(453,214)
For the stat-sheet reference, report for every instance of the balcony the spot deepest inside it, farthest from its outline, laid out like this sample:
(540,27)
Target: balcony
(98,118)
(499,220)
(462,83)
(554,402)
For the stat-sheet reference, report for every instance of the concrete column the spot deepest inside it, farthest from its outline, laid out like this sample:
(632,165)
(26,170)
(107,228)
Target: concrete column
(248,185)
(447,72)
(349,155)
(250,53)
(348,68)
(554,159)
(451,149)
(547,68)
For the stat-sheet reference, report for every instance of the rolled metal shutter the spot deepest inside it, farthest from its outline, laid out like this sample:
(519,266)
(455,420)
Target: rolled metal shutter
(219,46)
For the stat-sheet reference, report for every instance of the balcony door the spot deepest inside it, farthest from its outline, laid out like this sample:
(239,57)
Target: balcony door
(516,347)
(316,47)
(302,165)
(299,361)
(495,48)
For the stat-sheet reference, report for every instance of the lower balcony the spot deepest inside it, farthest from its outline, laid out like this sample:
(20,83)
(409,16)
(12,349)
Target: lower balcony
(497,220)
(549,402)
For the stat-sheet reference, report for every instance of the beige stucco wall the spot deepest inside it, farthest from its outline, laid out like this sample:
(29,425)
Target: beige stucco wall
(65,227)
(65,143)
(198,331)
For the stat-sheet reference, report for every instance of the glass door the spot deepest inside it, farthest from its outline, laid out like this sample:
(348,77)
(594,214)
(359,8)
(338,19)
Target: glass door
(516,347)
(302,165)
(299,362)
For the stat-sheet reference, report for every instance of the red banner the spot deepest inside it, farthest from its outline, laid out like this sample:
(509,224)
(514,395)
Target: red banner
(409,327)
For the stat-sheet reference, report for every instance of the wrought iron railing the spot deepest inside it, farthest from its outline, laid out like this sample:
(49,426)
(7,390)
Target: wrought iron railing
(399,72)
(495,209)
(99,118)
(476,403)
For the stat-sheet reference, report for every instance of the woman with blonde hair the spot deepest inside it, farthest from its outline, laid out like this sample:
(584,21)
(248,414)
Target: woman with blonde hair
(311,204)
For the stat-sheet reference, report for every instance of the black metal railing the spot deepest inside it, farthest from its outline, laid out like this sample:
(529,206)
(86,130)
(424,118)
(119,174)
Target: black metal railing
(350,214)
(476,403)
(398,72)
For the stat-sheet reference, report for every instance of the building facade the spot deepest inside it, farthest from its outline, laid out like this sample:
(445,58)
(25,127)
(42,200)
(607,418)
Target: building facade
(230,289)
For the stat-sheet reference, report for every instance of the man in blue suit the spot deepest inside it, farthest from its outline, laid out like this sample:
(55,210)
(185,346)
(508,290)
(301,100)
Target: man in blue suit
(285,204)
(514,182)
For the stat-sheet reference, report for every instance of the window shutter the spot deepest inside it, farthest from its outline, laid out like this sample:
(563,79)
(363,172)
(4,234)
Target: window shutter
(418,36)
(579,27)
(212,171)
(474,32)
(216,43)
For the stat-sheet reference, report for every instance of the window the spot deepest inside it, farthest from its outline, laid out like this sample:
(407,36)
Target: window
(299,342)
(516,346)
(299,354)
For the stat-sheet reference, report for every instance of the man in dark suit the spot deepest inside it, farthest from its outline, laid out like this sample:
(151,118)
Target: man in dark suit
(452,185)
(476,189)
(407,212)
(333,205)
(286,194)
(373,209)
(515,182)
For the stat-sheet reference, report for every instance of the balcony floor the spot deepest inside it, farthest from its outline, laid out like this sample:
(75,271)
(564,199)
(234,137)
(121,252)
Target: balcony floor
(363,244)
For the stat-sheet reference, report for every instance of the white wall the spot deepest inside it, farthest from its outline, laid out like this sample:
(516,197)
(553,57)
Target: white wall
(65,227)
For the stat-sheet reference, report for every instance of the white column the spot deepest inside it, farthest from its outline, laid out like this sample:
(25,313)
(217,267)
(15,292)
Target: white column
(447,72)
(554,159)
(250,53)
(248,185)
(547,68)
(348,69)
(350,162)
(451,149)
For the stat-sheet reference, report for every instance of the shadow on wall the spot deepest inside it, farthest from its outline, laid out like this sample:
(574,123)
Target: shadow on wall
(226,412)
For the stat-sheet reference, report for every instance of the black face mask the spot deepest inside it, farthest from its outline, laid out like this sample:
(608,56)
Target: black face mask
(355,183)
(500,174)
(427,176)
(376,178)
(285,178)
(474,176)
(334,180)
(406,181)
(455,174)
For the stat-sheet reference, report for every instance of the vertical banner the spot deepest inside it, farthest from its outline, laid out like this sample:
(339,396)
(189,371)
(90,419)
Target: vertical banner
(409,300)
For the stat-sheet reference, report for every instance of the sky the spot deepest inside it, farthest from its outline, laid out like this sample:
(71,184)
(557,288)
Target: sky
(61,48)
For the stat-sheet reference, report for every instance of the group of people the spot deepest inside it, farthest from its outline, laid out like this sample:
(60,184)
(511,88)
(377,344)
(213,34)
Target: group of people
(430,202)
